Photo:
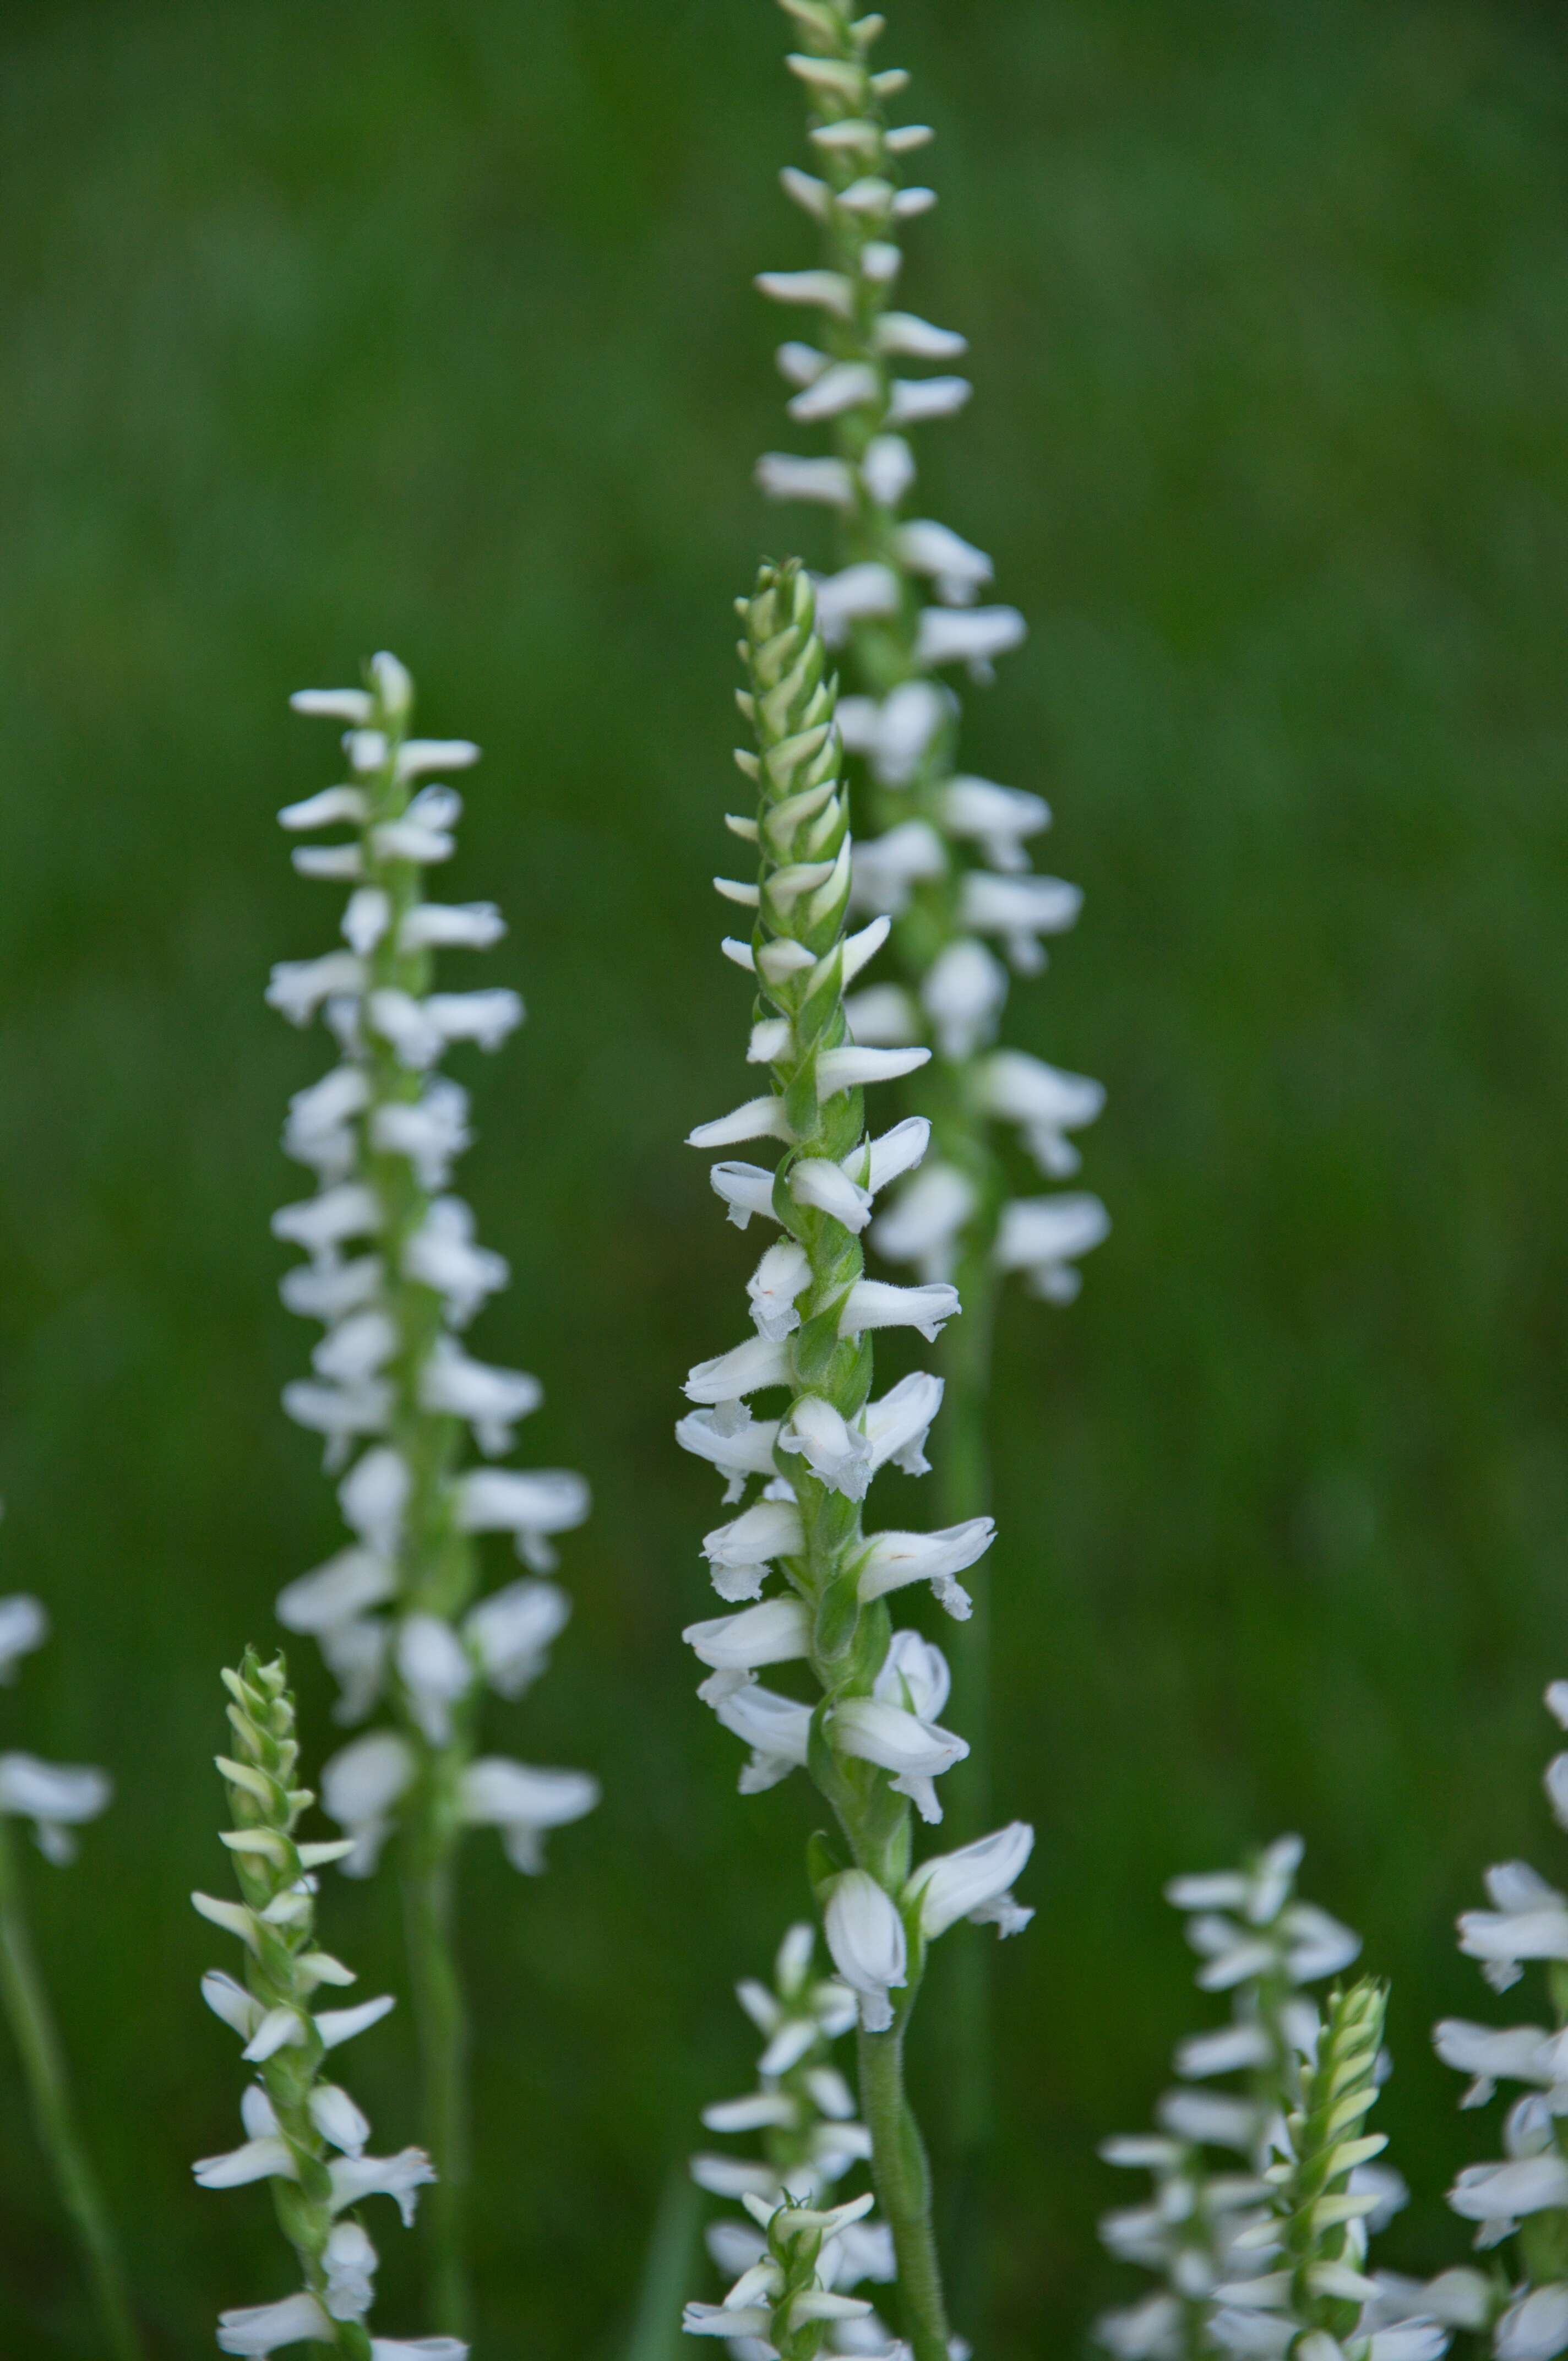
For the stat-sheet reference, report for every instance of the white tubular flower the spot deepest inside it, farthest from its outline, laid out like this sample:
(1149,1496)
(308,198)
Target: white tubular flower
(777,1730)
(395,1274)
(888,868)
(974,1882)
(1536,2328)
(56,1797)
(511,1630)
(532,1505)
(916,1751)
(524,1805)
(292,2116)
(738,1447)
(865,1935)
(894,1559)
(836,1451)
(897,1425)
(263,2328)
(777,1631)
(361,1786)
(925,1221)
(1044,1102)
(964,992)
(1044,1236)
(740,1552)
(873,1303)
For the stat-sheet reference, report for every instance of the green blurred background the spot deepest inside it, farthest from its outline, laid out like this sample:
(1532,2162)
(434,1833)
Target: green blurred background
(427,323)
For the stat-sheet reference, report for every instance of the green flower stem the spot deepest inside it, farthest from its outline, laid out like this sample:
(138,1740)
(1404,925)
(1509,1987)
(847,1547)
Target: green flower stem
(441,2021)
(438,1574)
(803,835)
(43,2063)
(902,2179)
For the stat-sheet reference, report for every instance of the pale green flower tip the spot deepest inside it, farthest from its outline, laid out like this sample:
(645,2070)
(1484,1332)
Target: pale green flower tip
(392,684)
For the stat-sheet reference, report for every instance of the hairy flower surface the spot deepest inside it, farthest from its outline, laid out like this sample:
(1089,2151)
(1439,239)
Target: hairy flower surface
(948,862)
(303,2132)
(394,1276)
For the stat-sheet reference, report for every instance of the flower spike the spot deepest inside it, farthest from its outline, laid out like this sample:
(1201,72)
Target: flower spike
(303,2133)
(873,1738)
(395,1274)
(949,860)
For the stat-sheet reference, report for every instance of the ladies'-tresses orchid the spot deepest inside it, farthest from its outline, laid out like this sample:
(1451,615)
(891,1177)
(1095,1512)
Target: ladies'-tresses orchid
(805,2111)
(1207,2232)
(395,1276)
(303,2132)
(872,1738)
(1304,2290)
(1524,2196)
(949,864)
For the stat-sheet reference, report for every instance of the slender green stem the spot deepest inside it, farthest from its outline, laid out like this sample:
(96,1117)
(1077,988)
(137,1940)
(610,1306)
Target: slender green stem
(43,2063)
(964,1490)
(904,2187)
(438,1574)
(442,2025)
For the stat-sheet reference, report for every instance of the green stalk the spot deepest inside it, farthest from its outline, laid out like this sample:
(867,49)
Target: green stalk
(43,2063)
(438,1574)
(902,2179)
(442,2026)
(964,1490)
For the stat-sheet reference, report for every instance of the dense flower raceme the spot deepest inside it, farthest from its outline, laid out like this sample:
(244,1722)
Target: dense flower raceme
(802,2115)
(1204,2228)
(1306,2291)
(873,1739)
(1524,2195)
(57,1797)
(949,865)
(394,1276)
(303,2132)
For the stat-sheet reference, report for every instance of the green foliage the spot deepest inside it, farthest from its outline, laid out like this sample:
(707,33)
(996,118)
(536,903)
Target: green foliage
(432,327)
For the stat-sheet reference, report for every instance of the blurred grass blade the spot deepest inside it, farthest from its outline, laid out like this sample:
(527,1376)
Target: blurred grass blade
(669,2271)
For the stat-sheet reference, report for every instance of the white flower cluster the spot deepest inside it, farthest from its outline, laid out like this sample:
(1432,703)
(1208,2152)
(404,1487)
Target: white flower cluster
(394,1276)
(1261,1943)
(56,1797)
(805,2111)
(303,2133)
(812,1309)
(1526,2192)
(949,865)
